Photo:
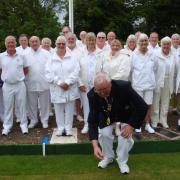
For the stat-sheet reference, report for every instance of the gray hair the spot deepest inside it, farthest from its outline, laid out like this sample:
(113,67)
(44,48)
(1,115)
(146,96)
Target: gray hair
(142,36)
(176,35)
(61,38)
(10,37)
(131,37)
(45,40)
(100,77)
(166,40)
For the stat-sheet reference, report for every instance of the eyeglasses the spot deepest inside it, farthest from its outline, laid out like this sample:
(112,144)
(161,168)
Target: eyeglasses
(65,32)
(99,37)
(98,91)
(61,44)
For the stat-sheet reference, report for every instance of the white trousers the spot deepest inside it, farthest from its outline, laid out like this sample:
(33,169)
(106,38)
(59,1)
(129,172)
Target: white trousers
(1,105)
(160,103)
(64,115)
(14,94)
(44,101)
(85,104)
(106,141)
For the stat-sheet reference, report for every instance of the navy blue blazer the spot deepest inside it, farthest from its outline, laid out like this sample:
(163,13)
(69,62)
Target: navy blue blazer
(127,107)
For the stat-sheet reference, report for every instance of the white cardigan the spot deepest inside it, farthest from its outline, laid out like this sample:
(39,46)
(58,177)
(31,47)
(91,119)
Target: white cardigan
(118,66)
(63,70)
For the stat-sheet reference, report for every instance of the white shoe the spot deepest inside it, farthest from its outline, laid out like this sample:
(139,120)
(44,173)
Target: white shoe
(18,120)
(69,133)
(59,133)
(105,162)
(79,118)
(24,130)
(117,132)
(5,132)
(32,125)
(138,130)
(124,168)
(165,125)
(45,125)
(149,129)
(85,130)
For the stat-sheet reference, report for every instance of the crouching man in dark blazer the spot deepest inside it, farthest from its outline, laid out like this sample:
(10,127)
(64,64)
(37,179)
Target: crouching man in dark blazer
(113,101)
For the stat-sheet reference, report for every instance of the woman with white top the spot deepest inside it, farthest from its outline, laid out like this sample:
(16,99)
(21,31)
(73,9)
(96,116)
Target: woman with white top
(131,43)
(143,77)
(165,65)
(117,65)
(90,63)
(62,73)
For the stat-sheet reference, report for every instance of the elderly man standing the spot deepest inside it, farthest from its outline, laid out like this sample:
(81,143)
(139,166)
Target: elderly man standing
(153,42)
(110,102)
(101,42)
(110,37)
(14,67)
(37,86)
(23,42)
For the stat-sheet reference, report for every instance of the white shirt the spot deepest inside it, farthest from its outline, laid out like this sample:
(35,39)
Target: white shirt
(63,70)
(23,51)
(35,79)
(143,67)
(153,49)
(12,67)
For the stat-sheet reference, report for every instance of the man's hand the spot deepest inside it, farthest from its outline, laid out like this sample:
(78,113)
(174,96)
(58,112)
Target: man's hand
(97,150)
(82,88)
(127,131)
(64,86)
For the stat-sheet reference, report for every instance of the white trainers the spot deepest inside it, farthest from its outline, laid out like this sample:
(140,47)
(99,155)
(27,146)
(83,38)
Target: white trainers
(5,132)
(18,120)
(45,125)
(149,129)
(32,125)
(124,168)
(51,114)
(59,132)
(24,130)
(138,130)
(69,133)
(165,125)
(85,130)
(79,118)
(105,162)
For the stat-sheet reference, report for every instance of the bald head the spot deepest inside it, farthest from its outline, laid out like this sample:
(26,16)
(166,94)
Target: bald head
(34,42)
(102,84)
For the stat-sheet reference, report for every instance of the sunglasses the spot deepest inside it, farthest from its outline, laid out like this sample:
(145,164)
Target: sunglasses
(99,37)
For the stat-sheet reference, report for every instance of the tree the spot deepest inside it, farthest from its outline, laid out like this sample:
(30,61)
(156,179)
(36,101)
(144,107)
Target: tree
(102,15)
(31,17)
(162,16)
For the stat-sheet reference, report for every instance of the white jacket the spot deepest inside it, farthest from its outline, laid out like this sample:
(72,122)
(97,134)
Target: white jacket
(63,70)
(162,62)
(35,79)
(90,64)
(118,66)
(143,67)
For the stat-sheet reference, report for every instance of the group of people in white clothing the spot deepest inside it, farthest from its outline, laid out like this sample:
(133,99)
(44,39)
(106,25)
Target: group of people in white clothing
(36,76)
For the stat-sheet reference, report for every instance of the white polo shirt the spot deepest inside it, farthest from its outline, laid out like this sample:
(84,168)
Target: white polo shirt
(12,67)
(35,79)
(23,51)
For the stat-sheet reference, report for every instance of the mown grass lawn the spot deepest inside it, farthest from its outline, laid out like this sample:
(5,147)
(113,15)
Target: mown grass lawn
(82,167)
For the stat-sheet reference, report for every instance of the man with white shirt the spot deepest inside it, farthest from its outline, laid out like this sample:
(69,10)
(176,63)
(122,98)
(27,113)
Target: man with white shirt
(14,68)
(110,37)
(153,42)
(81,43)
(22,49)
(101,42)
(37,86)
(23,42)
